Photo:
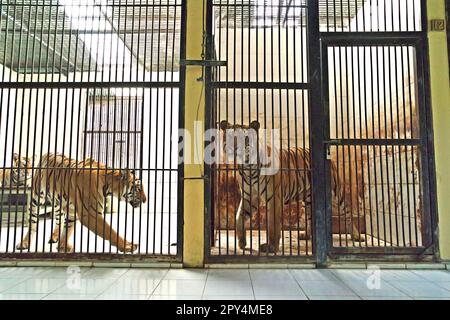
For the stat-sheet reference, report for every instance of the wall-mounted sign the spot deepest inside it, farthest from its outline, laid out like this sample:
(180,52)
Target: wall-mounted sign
(438,25)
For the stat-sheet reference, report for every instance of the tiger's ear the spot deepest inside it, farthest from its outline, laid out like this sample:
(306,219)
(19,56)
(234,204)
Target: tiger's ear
(16,156)
(224,125)
(255,125)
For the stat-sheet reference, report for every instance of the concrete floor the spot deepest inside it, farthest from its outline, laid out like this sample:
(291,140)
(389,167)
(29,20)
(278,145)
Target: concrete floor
(120,283)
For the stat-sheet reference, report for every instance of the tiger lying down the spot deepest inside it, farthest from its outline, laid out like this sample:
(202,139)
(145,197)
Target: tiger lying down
(276,189)
(81,189)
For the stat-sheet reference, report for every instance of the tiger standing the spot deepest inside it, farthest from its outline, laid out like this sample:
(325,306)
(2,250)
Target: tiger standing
(82,187)
(292,182)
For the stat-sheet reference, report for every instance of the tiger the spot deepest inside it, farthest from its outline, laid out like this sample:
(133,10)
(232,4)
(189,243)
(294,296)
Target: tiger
(20,174)
(82,188)
(276,189)
(59,215)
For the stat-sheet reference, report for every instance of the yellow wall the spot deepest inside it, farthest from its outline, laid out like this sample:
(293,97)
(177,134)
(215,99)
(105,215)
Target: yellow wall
(194,210)
(194,213)
(440,99)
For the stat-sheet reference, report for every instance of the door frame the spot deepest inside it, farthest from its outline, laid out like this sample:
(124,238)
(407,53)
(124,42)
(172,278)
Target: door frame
(322,251)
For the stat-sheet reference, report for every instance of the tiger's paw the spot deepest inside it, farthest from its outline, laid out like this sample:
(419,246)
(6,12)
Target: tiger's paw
(129,248)
(23,245)
(65,248)
(53,240)
(303,235)
(359,237)
(268,248)
(242,244)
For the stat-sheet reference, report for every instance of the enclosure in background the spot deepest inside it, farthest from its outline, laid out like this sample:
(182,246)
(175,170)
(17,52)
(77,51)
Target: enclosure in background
(373,114)
(95,79)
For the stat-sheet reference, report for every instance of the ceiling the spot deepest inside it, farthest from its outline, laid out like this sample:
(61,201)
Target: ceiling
(48,36)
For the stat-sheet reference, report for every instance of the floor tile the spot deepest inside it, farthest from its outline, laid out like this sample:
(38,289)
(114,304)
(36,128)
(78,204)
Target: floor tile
(145,274)
(276,297)
(271,275)
(186,274)
(313,275)
(21,272)
(277,288)
(98,273)
(334,298)
(180,287)
(362,289)
(325,288)
(445,285)
(62,272)
(230,275)
(399,275)
(22,296)
(418,289)
(133,286)
(230,298)
(122,296)
(176,297)
(428,298)
(225,288)
(8,283)
(85,286)
(351,275)
(59,296)
(386,298)
(434,275)
(37,286)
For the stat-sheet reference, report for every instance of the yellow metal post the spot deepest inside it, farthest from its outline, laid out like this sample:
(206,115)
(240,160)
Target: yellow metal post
(440,100)
(194,108)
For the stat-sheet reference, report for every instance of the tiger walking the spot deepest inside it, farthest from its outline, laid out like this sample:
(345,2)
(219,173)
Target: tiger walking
(82,188)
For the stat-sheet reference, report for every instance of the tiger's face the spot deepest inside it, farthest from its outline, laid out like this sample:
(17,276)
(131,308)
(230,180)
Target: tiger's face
(22,171)
(240,142)
(132,189)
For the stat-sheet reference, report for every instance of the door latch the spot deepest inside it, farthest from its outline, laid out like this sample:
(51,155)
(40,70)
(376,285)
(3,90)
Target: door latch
(328,152)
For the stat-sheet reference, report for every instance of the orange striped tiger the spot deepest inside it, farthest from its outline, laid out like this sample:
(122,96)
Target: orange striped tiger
(82,187)
(292,182)
(19,174)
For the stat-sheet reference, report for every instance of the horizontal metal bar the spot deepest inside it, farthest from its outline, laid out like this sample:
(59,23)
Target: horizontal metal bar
(99,257)
(384,251)
(203,63)
(88,85)
(211,259)
(74,32)
(372,38)
(260,85)
(267,5)
(80,5)
(374,142)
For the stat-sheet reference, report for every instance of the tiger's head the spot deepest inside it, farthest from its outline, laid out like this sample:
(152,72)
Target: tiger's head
(240,142)
(129,188)
(22,169)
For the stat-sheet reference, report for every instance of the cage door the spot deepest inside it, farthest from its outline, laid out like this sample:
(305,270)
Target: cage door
(376,151)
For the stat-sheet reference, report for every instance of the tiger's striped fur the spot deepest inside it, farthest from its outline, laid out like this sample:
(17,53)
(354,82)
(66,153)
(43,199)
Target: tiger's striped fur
(82,188)
(292,182)
(19,174)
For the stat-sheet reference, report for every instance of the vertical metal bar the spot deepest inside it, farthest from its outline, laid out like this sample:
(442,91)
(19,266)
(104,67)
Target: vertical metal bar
(317,143)
(22,30)
(150,134)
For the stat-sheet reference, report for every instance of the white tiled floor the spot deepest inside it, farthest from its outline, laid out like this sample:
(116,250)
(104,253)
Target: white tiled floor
(242,284)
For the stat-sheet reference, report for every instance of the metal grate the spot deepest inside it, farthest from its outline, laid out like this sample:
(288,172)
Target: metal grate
(346,123)
(370,15)
(96,83)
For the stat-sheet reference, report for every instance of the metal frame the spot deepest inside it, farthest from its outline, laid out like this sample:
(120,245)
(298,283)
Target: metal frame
(323,253)
(144,85)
